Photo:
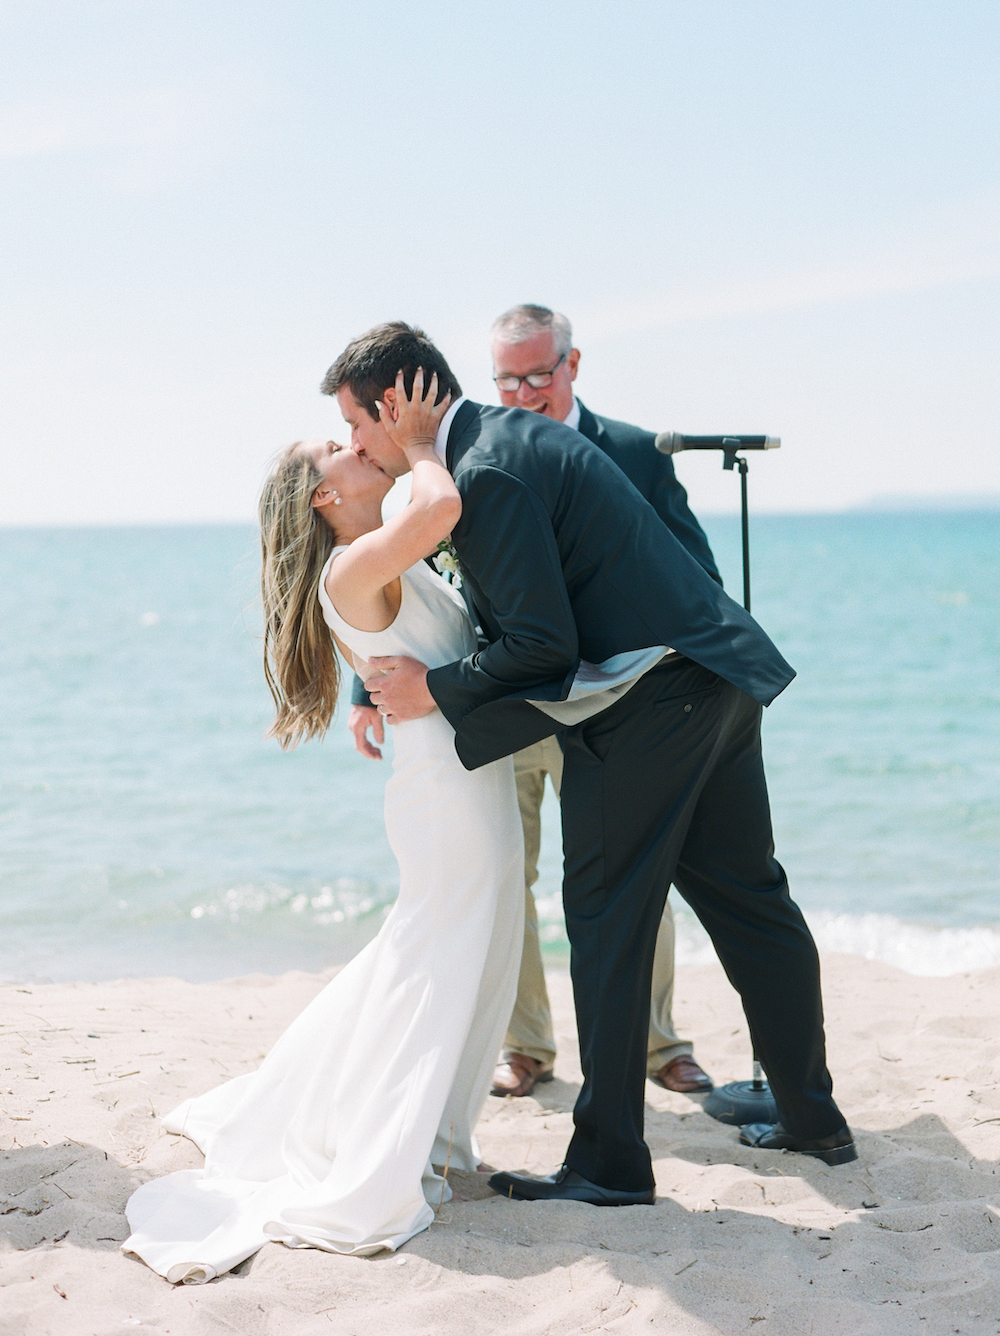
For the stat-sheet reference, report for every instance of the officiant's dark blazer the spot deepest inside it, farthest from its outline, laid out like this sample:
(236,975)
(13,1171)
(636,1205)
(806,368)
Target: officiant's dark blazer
(563,560)
(653,476)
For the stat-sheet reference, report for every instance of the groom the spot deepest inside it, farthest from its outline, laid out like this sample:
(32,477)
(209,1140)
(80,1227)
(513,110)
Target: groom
(599,623)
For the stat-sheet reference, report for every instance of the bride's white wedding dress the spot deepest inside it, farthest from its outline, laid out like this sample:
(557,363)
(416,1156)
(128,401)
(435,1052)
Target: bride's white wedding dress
(330,1143)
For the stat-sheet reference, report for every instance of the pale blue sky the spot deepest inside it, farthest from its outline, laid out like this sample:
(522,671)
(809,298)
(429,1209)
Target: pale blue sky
(759,216)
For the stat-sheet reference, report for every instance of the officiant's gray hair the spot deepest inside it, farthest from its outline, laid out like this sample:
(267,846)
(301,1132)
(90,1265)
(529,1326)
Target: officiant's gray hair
(522,323)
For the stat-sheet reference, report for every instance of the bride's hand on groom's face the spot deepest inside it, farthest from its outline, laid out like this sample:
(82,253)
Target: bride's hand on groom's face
(398,688)
(413,420)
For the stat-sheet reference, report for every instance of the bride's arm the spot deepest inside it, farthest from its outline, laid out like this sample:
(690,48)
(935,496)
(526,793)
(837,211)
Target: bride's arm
(376,559)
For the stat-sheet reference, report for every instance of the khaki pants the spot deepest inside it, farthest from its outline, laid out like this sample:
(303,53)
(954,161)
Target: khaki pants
(530,1029)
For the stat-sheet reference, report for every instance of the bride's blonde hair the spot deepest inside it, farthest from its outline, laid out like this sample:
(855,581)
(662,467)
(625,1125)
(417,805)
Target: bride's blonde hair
(300,661)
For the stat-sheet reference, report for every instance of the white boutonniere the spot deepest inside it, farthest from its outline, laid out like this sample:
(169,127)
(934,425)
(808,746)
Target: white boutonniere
(446,560)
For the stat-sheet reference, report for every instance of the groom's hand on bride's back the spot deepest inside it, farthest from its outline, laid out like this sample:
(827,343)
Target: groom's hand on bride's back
(398,688)
(359,721)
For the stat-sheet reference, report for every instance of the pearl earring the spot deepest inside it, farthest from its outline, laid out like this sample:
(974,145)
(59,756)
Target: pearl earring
(338,500)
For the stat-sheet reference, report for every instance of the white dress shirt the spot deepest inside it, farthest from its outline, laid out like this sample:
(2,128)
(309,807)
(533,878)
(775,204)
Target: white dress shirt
(444,427)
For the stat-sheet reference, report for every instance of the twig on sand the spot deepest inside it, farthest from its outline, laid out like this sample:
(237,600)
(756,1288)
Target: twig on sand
(686,1267)
(447,1166)
(62,1170)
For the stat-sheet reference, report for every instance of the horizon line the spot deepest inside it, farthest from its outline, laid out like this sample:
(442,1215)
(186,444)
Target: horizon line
(882,505)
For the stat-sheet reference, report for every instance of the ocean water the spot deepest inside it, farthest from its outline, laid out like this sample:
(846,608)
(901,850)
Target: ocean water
(148,827)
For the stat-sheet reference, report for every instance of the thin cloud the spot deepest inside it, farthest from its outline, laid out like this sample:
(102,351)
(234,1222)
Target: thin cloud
(961,245)
(146,118)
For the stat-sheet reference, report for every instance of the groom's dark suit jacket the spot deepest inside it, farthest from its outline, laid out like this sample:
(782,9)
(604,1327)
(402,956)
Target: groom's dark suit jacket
(652,474)
(562,560)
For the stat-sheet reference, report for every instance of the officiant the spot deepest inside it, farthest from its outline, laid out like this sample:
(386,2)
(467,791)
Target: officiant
(534,367)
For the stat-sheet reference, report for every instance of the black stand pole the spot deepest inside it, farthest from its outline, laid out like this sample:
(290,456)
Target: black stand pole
(742,1102)
(742,463)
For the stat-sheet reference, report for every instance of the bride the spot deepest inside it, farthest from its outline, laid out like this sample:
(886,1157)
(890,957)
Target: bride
(332,1142)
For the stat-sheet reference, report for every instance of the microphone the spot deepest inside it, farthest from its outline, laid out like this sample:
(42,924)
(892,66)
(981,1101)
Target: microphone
(673,442)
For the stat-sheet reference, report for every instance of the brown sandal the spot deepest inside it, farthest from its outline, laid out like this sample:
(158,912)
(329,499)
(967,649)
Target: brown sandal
(516,1074)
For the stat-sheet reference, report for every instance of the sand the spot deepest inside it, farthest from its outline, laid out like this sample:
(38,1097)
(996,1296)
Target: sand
(905,1241)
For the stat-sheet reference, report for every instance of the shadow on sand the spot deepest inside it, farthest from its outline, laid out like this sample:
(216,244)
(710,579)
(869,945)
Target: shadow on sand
(729,1260)
(68,1190)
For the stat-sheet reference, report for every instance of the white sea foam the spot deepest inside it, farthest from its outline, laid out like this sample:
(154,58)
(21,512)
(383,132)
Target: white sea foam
(909,946)
(348,899)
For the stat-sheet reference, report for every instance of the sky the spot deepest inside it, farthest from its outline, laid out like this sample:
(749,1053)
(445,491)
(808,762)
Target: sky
(768,217)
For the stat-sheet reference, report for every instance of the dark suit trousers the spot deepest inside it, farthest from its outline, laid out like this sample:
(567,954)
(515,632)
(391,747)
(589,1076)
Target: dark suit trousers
(667,785)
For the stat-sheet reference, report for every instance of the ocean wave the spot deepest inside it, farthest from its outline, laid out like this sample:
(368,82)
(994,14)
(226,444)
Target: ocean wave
(914,947)
(347,900)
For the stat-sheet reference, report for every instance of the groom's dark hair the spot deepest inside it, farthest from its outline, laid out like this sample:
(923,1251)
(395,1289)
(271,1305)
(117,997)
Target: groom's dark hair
(369,363)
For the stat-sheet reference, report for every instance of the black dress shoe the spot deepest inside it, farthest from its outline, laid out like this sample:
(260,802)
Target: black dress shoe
(566,1185)
(838,1148)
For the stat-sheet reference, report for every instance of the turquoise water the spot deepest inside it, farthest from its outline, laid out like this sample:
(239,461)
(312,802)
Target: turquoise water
(147,827)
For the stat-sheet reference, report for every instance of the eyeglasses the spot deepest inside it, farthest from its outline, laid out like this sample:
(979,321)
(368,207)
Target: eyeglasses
(538,380)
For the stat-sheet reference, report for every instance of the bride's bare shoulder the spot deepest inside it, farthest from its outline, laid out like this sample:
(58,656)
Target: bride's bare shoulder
(359,603)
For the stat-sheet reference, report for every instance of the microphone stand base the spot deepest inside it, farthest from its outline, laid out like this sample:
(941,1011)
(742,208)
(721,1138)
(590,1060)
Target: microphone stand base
(739,1103)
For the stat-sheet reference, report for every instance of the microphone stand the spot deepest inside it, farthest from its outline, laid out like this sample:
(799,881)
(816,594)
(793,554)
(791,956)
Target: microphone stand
(742,1102)
(728,460)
